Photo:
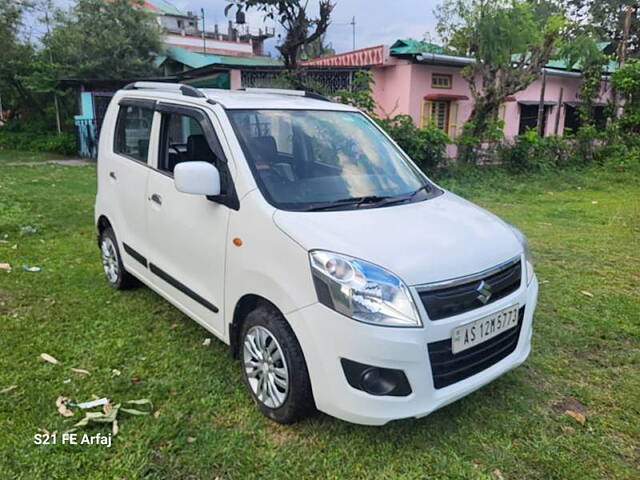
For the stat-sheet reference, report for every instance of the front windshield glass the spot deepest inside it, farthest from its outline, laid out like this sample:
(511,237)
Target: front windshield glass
(320,160)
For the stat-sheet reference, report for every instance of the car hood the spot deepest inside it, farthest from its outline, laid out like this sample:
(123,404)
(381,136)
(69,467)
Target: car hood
(422,242)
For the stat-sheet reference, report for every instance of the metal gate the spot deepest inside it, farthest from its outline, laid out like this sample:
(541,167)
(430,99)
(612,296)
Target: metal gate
(86,137)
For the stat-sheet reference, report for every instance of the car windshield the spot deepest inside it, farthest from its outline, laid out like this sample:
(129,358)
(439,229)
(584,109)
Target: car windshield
(310,160)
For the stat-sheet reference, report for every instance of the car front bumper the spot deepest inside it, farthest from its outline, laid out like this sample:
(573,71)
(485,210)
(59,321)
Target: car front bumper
(326,337)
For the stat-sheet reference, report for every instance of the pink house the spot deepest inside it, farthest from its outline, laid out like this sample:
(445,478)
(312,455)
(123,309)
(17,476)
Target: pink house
(417,79)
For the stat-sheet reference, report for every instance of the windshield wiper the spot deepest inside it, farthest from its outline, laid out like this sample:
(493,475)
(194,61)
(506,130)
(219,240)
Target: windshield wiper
(344,202)
(403,198)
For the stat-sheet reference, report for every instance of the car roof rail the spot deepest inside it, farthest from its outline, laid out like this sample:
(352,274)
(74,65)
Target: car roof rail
(186,90)
(285,91)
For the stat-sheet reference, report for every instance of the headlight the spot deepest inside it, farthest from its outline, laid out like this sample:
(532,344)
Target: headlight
(362,291)
(527,253)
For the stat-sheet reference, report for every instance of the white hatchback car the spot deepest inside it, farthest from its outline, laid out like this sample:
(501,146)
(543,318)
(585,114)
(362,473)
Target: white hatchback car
(295,230)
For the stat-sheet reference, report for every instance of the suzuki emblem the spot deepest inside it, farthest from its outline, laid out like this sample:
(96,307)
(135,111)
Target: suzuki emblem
(484,292)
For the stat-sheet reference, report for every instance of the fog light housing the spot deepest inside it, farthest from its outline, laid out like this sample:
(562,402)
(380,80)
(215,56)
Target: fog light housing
(376,381)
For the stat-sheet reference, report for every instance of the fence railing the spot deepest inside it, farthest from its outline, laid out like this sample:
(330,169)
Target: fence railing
(328,81)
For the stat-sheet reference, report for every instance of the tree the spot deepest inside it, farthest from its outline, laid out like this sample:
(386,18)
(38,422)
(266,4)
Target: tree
(16,56)
(626,80)
(510,43)
(582,52)
(607,18)
(105,39)
(317,48)
(292,16)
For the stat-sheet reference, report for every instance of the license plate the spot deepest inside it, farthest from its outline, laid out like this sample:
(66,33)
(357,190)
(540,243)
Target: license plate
(475,333)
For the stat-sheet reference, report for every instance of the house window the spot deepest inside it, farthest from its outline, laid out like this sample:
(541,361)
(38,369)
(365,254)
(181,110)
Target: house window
(441,80)
(440,114)
(529,118)
(572,118)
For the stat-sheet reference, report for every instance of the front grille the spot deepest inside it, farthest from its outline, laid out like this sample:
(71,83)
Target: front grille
(448,368)
(452,300)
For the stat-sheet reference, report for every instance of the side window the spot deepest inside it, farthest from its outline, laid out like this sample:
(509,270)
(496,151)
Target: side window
(133,129)
(183,140)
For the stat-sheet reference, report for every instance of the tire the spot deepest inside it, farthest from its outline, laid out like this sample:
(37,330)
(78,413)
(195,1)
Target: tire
(281,404)
(115,273)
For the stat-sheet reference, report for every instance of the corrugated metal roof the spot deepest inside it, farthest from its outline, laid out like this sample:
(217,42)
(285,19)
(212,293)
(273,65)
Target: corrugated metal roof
(198,59)
(164,7)
(410,46)
(563,64)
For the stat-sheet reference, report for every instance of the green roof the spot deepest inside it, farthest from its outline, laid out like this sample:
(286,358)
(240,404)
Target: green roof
(563,64)
(410,46)
(198,59)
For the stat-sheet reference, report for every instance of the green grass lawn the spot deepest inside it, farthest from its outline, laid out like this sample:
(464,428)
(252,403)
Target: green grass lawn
(584,229)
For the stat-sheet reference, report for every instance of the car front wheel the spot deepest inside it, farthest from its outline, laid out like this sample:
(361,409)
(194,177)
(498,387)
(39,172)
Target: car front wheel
(274,367)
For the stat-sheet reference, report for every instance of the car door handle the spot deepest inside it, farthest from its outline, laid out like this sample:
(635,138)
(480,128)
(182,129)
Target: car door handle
(156,198)
(113,175)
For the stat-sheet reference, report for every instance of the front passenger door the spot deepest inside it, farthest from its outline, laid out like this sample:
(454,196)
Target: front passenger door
(187,233)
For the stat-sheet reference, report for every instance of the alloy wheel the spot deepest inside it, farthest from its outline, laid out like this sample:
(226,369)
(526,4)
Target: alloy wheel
(265,367)
(109,259)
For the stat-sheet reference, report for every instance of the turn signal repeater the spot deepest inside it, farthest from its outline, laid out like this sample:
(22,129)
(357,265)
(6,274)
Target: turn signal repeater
(237,241)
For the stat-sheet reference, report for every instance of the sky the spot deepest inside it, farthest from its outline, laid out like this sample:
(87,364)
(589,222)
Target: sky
(377,21)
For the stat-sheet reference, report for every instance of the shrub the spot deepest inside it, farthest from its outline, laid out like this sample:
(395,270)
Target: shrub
(529,153)
(426,145)
(474,150)
(63,144)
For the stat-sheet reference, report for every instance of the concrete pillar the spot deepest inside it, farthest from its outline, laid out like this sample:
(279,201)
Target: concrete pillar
(235,79)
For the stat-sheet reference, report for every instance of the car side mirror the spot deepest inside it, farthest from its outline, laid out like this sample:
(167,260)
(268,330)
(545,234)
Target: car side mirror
(197,178)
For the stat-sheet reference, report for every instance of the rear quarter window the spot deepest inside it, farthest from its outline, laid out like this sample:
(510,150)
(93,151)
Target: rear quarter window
(133,129)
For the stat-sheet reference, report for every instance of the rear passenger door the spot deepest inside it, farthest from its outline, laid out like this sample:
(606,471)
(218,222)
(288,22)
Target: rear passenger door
(187,233)
(126,174)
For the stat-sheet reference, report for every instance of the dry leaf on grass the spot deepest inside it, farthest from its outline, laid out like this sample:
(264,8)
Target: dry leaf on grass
(498,474)
(191,439)
(8,389)
(62,408)
(156,414)
(98,402)
(48,358)
(207,342)
(174,326)
(115,372)
(134,380)
(81,371)
(114,412)
(580,418)
(586,293)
